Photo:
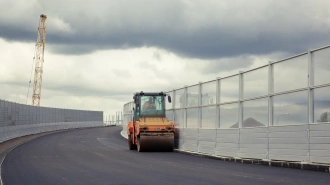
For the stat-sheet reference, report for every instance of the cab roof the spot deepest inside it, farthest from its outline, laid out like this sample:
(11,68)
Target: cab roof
(149,94)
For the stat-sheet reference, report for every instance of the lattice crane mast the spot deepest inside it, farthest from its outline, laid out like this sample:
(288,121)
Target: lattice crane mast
(39,60)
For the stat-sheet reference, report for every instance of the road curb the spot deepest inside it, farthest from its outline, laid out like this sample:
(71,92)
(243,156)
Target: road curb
(123,135)
(284,164)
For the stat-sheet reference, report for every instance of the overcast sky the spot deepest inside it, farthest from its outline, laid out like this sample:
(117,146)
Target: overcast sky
(98,53)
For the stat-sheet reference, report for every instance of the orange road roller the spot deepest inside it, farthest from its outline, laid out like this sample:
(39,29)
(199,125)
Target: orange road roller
(150,130)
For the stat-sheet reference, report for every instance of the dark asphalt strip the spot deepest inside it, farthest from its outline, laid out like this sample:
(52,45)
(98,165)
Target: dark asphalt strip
(10,145)
(101,156)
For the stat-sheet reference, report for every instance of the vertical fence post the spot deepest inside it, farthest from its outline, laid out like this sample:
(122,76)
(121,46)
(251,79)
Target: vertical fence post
(173,99)
(240,110)
(270,102)
(199,105)
(172,108)
(217,109)
(310,99)
(184,108)
(217,102)
(199,112)
(173,104)
(240,99)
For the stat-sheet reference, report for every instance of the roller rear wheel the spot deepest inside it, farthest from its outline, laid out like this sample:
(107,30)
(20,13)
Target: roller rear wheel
(139,149)
(131,146)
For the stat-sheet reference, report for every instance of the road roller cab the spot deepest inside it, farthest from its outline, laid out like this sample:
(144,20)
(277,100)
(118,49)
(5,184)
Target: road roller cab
(150,129)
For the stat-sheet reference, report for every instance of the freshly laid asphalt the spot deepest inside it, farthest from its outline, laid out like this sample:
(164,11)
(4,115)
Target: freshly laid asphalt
(101,156)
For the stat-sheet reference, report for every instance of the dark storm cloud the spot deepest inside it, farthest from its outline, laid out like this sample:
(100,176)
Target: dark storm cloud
(197,29)
(17,34)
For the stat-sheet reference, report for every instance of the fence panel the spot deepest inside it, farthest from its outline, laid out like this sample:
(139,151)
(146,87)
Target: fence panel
(229,89)
(279,111)
(288,143)
(253,143)
(291,74)
(19,119)
(206,141)
(227,142)
(320,143)
(321,66)
(190,137)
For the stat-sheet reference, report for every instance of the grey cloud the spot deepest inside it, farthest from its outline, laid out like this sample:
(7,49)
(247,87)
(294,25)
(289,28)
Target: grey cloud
(149,68)
(78,90)
(81,88)
(217,66)
(156,55)
(206,30)
(74,89)
(122,73)
(72,49)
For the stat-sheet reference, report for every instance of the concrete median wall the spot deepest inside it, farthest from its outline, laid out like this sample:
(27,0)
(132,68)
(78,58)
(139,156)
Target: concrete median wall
(18,120)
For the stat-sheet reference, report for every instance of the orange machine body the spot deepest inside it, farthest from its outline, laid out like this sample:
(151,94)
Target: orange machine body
(150,126)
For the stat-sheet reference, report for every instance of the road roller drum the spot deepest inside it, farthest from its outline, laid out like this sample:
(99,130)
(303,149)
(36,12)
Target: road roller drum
(155,143)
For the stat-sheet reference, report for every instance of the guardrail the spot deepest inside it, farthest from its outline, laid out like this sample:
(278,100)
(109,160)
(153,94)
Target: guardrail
(18,120)
(279,111)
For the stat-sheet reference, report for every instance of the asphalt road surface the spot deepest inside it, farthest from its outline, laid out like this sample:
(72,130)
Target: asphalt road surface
(101,156)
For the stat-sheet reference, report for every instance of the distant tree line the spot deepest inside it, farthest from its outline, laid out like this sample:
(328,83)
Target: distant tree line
(324,117)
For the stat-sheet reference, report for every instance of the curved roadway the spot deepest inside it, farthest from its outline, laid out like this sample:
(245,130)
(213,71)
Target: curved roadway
(101,156)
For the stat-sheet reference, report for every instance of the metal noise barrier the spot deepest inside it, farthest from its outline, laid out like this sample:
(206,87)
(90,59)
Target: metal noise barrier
(279,111)
(18,120)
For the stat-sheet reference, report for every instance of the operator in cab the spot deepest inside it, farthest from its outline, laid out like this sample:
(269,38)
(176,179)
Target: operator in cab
(149,104)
